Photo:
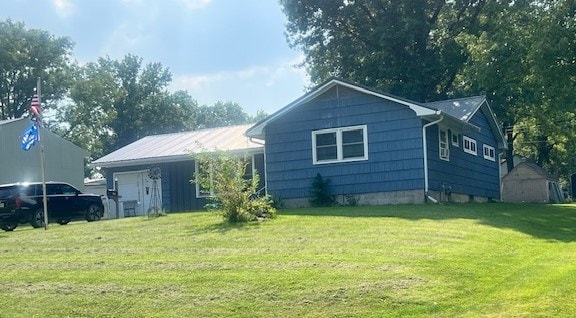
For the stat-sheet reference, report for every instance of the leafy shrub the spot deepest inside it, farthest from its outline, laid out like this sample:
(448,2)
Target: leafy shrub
(351,200)
(224,176)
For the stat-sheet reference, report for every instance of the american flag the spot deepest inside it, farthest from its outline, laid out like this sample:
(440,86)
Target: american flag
(36,109)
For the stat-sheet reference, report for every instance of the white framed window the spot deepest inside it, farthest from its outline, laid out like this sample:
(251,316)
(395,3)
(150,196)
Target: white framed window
(340,144)
(202,192)
(443,144)
(455,139)
(489,153)
(205,192)
(469,145)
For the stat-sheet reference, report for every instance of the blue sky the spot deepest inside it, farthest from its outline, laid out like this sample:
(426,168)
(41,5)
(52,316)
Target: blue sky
(217,50)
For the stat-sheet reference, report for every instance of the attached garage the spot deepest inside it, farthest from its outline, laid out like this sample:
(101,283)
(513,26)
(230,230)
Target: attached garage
(172,155)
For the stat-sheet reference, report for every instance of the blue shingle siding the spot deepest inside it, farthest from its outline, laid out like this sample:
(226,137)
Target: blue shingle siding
(395,158)
(465,173)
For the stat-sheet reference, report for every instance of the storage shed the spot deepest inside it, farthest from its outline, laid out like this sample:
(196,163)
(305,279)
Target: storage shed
(529,183)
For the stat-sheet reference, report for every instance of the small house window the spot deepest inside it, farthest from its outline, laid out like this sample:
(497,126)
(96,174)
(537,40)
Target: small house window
(469,145)
(455,139)
(202,191)
(206,168)
(489,153)
(340,144)
(443,145)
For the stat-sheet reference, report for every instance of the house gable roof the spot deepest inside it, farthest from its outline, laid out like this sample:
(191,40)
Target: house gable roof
(180,146)
(465,108)
(455,112)
(462,108)
(257,131)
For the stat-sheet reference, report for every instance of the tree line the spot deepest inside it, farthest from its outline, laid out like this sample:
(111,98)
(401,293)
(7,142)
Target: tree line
(102,105)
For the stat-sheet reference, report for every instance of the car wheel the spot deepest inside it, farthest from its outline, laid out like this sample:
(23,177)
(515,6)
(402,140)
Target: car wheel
(37,219)
(9,227)
(93,213)
(63,222)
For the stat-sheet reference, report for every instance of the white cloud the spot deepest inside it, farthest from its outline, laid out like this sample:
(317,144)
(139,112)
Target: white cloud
(266,74)
(187,4)
(195,4)
(254,88)
(125,38)
(64,8)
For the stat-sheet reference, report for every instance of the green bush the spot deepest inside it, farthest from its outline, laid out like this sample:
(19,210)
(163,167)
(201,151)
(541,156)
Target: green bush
(320,193)
(224,176)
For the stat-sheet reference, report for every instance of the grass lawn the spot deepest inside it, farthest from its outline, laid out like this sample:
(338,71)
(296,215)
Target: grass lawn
(473,260)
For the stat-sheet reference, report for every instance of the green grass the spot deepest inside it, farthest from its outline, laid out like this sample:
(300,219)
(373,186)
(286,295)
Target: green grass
(477,260)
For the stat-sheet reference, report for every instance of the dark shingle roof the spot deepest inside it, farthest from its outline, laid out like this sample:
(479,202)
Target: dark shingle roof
(461,108)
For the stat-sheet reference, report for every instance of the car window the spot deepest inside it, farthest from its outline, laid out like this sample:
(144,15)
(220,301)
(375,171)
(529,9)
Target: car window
(52,189)
(28,190)
(6,192)
(67,189)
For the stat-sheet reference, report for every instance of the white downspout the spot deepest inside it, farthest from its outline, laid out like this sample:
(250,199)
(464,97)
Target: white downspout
(265,174)
(425,146)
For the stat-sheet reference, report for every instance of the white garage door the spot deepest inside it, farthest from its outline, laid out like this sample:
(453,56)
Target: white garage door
(137,187)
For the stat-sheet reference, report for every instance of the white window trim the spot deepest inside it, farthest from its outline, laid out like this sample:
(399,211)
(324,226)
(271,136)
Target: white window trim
(491,153)
(339,147)
(212,194)
(469,148)
(454,142)
(198,193)
(444,152)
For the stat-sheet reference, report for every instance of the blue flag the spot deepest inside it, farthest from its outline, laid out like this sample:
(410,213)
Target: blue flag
(30,137)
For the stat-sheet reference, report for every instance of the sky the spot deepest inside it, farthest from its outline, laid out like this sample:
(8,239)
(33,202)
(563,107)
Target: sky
(217,50)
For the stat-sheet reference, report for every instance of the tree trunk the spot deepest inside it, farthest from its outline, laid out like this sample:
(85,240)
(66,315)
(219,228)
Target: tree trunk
(509,130)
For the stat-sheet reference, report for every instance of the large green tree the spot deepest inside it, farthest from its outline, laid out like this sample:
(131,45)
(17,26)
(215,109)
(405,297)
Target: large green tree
(524,60)
(403,47)
(116,102)
(26,55)
(221,114)
(548,135)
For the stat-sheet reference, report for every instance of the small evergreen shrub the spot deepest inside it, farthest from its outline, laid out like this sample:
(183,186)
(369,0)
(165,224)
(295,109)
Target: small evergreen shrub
(320,192)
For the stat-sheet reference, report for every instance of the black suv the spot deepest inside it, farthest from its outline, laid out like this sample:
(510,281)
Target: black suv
(22,203)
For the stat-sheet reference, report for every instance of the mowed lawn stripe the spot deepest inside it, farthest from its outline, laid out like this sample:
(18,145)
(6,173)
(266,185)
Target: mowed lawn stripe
(469,260)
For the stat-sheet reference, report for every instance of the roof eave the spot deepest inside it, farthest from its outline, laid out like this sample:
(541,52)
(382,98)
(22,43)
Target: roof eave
(257,131)
(165,159)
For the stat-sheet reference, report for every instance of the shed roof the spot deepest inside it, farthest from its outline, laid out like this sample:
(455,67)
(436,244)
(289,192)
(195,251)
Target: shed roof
(180,146)
(519,172)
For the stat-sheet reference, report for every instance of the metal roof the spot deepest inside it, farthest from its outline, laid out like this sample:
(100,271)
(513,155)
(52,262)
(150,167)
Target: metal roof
(180,146)
(462,108)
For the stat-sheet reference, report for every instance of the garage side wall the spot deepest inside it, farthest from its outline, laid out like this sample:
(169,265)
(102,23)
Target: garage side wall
(178,194)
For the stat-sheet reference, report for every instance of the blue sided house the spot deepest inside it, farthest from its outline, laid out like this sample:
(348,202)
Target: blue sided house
(374,147)
(381,149)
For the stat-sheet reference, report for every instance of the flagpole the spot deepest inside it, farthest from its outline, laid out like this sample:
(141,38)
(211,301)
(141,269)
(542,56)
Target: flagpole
(44,198)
